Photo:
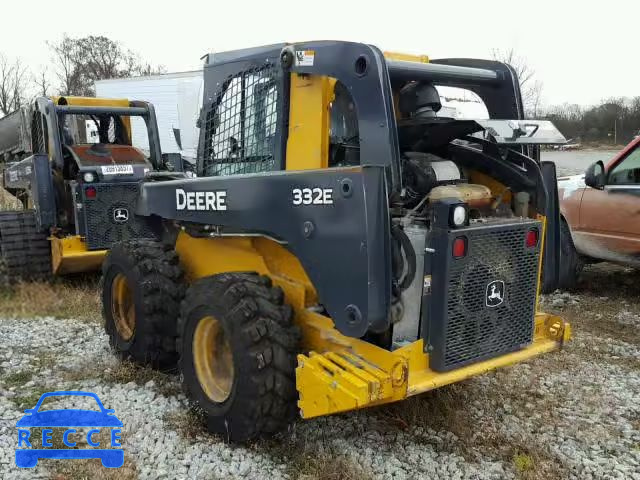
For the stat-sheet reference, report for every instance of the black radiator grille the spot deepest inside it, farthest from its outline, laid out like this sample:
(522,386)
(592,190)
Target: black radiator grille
(105,214)
(477,324)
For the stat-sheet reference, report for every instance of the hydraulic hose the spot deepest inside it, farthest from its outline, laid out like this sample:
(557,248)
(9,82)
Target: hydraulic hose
(397,233)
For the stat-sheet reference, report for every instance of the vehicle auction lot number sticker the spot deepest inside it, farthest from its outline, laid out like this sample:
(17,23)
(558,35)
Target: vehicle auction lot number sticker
(117,170)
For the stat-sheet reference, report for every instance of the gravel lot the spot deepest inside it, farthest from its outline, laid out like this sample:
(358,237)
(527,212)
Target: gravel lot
(573,414)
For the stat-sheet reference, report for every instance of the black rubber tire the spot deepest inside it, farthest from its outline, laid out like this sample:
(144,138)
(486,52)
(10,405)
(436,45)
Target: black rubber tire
(154,275)
(570,262)
(264,343)
(25,253)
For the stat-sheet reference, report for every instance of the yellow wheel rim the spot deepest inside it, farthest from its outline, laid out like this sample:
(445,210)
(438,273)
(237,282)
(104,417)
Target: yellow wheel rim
(123,307)
(212,359)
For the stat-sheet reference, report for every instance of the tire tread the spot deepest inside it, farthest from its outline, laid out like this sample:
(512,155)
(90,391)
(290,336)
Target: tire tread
(269,343)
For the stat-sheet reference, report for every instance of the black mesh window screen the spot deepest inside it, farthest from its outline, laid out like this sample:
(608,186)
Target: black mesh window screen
(240,127)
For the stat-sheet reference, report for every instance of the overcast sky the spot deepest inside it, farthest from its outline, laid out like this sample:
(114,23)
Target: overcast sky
(581,53)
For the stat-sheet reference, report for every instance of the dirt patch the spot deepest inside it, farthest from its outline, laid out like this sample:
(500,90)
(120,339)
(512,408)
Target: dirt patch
(91,470)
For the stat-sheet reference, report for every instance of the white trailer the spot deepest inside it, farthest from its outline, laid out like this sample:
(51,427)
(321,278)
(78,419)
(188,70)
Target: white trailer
(177,98)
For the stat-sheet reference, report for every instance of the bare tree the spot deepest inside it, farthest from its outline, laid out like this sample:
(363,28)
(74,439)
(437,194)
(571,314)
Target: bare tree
(146,69)
(68,66)
(13,81)
(82,61)
(42,83)
(535,98)
(530,87)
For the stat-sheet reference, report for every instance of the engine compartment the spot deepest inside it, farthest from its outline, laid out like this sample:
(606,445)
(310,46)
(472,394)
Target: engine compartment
(444,159)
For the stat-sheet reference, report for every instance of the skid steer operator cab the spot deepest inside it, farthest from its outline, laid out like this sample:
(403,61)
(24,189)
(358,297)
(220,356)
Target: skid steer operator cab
(406,244)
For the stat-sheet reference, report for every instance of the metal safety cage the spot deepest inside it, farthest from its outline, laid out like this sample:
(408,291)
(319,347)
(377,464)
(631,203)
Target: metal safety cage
(141,109)
(479,300)
(242,124)
(49,133)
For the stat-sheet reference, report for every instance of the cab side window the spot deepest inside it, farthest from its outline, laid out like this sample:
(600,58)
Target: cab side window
(240,126)
(344,145)
(627,172)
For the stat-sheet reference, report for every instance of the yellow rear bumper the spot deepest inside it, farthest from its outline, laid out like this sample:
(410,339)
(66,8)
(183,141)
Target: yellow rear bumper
(71,255)
(353,374)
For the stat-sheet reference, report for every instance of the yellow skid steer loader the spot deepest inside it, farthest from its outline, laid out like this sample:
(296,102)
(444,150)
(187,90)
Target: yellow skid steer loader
(348,242)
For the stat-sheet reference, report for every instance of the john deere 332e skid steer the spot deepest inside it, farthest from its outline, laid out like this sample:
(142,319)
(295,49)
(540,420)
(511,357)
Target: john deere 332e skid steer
(347,242)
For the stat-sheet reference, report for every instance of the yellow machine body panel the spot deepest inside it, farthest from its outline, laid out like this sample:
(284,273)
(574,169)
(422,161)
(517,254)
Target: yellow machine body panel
(406,57)
(354,374)
(308,140)
(340,373)
(70,255)
(202,257)
(98,102)
(92,101)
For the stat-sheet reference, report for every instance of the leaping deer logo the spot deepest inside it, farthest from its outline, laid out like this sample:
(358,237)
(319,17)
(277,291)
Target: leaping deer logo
(121,215)
(495,293)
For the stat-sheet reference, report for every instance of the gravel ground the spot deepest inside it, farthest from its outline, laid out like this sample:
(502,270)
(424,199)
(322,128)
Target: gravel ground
(573,414)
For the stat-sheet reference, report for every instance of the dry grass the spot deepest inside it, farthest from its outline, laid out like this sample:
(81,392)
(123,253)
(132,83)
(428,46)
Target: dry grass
(314,466)
(91,470)
(82,469)
(303,461)
(605,290)
(307,462)
(29,400)
(438,410)
(76,297)
(17,379)
(442,410)
(8,201)
(126,372)
(190,424)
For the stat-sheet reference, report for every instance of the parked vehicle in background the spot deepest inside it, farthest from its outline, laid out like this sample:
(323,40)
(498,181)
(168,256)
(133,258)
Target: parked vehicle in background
(70,161)
(177,98)
(601,214)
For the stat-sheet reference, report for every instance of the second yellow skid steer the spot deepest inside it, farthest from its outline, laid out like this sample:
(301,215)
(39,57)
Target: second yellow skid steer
(72,164)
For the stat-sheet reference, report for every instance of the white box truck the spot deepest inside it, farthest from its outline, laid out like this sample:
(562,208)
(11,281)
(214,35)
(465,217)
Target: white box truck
(177,98)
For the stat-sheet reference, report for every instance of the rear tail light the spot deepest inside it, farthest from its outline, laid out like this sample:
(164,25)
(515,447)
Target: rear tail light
(90,192)
(532,238)
(459,249)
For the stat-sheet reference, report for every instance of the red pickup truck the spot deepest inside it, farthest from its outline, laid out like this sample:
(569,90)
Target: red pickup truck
(601,215)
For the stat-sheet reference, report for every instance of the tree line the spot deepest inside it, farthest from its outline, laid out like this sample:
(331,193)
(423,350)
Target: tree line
(614,120)
(76,63)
